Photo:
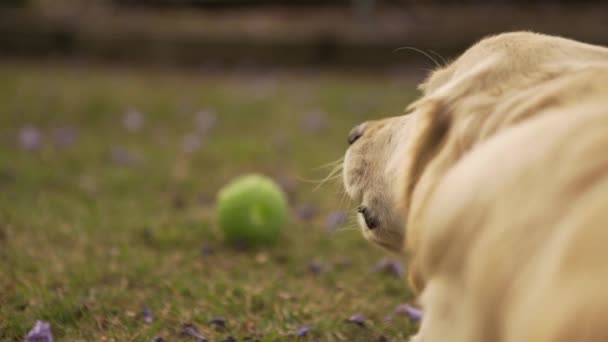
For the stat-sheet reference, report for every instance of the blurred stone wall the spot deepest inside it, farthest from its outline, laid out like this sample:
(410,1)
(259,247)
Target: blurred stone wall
(345,33)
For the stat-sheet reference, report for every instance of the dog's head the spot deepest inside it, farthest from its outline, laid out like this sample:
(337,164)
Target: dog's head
(392,165)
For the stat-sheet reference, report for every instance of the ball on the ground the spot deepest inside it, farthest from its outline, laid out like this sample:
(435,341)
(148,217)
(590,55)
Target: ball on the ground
(251,210)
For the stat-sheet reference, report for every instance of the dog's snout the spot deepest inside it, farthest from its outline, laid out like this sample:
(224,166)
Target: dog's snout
(355,134)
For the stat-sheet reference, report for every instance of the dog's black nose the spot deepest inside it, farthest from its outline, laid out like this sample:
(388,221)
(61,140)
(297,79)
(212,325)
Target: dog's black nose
(355,134)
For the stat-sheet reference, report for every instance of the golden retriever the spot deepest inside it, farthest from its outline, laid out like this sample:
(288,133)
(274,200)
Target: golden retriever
(495,185)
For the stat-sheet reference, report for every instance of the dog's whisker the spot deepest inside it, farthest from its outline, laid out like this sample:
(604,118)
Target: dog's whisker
(331,175)
(346,228)
(440,56)
(334,174)
(330,164)
(420,51)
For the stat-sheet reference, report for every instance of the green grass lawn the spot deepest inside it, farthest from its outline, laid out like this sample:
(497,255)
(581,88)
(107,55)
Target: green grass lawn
(98,221)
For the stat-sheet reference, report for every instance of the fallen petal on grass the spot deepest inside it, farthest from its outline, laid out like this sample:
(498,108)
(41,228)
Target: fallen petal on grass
(133,120)
(357,319)
(40,333)
(218,322)
(409,311)
(315,267)
(124,157)
(303,331)
(189,330)
(306,212)
(389,266)
(147,314)
(205,120)
(30,138)
(64,136)
(207,250)
(191,143)
(334,220)
(314,122)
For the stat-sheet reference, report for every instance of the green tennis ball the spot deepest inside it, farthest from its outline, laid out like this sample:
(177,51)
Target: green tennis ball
(251,210)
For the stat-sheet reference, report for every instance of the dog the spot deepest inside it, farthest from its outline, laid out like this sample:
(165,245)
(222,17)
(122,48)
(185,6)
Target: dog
(494,185)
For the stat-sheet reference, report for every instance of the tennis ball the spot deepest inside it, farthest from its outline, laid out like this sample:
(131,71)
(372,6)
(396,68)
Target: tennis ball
(251,210)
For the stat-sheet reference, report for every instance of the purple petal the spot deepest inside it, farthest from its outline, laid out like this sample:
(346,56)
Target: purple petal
(218,321)
(205,120)
(40,333)
(147,314)
(190,330)
(306,212)
(30,138)
(409,311)
(335,219)
(133,120)
(191,143)
(124,157)
(357,319)
(64,136)
(303,331)
(314,122)
(207,250)
(389,266)
(316,267)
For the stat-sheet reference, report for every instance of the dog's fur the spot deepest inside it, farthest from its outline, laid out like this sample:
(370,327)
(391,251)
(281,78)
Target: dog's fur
(496,186)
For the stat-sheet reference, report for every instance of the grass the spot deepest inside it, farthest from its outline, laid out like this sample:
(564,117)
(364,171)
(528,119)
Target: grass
(95,229)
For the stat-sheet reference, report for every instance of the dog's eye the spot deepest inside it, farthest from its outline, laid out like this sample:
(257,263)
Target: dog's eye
(371,221)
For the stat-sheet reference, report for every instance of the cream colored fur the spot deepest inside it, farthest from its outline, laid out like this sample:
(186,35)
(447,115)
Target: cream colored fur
(497,182)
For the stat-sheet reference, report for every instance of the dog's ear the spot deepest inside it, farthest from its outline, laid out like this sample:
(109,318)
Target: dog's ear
(432,125)
(441,134)
(431,128)
(435,115)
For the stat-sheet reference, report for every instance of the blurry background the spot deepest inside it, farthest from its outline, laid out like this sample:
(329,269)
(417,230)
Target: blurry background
(121,119)
(278,32)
